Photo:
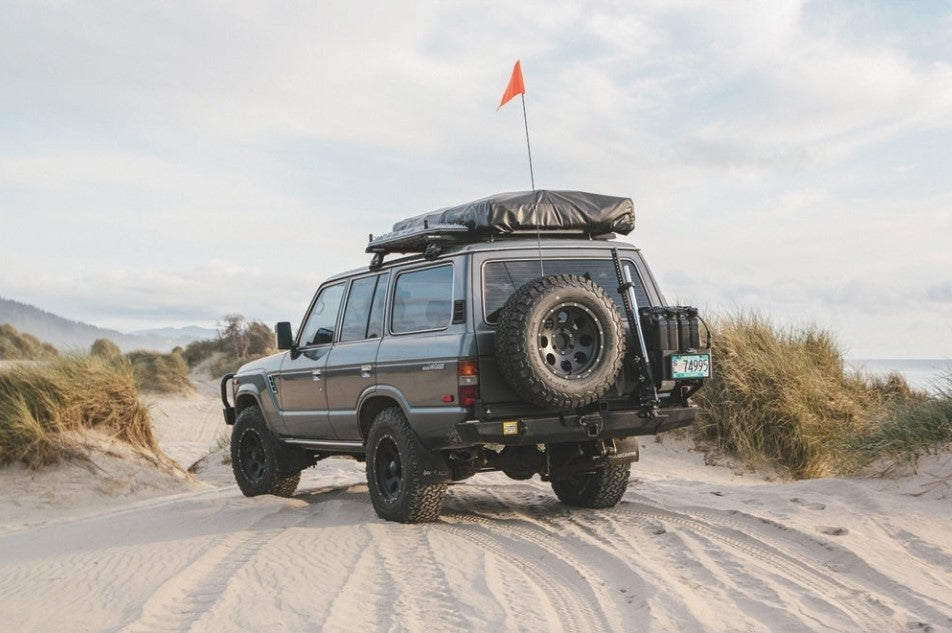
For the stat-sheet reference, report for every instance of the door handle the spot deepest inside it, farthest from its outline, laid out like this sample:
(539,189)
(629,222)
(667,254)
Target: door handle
(366,371)
(316,375)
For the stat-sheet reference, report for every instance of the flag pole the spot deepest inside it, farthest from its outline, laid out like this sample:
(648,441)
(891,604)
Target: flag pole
(525,120)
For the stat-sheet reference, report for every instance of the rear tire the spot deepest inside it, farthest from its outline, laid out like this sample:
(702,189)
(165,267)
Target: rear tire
(254,458)
(603,488)
(394,474)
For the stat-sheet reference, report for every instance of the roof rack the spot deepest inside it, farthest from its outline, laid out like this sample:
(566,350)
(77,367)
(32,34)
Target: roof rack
(543,213)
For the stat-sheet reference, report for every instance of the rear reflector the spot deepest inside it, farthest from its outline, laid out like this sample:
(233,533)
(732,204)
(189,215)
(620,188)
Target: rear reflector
(467,377)
(468,394)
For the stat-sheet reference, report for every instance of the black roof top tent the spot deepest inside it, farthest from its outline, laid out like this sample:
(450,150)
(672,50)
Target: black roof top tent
(519,214)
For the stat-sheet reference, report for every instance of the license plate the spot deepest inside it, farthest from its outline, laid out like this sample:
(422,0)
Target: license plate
(690,366)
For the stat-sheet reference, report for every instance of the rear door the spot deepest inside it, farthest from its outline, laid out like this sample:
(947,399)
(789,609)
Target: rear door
(418,357)
(351,364)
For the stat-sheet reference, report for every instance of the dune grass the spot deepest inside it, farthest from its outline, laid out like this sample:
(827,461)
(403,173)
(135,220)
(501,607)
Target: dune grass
(16,345)
(781,396)
(40,405)
(162,373)
(105,348)
(909,428)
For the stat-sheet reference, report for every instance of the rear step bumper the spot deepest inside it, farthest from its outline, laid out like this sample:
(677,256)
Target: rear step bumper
(572,428)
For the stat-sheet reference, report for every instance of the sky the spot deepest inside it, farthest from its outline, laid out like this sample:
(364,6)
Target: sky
(167,163)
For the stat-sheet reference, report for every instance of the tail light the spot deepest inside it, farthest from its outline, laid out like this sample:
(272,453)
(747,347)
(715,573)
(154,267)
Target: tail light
(467,379)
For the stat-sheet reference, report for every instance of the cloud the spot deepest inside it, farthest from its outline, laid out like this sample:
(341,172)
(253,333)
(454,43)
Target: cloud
(155,158)
(940,293)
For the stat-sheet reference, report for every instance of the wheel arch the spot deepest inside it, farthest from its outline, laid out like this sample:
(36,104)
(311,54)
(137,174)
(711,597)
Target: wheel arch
(244,401)
(372,405)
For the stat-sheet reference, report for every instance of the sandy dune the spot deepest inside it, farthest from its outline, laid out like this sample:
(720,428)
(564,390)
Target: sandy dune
(691,548)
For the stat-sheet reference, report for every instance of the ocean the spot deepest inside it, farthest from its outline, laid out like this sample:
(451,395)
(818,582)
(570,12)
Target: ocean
(926,374)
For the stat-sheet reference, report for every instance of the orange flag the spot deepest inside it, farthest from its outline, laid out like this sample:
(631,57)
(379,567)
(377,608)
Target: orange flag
(515,87)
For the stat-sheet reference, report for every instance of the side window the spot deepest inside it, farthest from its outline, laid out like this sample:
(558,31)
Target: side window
(422,300)
(357,311)
(322,321)
(375,326)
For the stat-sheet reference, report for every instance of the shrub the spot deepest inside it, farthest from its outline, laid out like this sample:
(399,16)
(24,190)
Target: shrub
(198,351)
(106,349)
(782,396)
(15,345)
(239,341)
(228,365)
(909,428)
(40,404)
(163,373)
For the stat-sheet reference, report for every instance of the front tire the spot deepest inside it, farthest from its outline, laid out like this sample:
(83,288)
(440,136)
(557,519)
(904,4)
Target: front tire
(254,458)
(394,472)
(603,488)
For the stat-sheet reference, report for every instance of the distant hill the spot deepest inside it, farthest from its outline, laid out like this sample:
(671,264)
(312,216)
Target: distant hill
(66,334)
(187,333)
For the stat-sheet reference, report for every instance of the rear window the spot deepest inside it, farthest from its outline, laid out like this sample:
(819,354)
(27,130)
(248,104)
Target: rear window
(502,278)
(422,300)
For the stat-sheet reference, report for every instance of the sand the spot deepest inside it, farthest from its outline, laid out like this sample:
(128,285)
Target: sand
(124,546)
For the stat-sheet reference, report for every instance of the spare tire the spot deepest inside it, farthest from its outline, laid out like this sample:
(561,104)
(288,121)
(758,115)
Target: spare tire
(560,342)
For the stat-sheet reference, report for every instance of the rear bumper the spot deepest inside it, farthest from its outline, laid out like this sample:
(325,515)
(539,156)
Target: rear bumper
(572,428)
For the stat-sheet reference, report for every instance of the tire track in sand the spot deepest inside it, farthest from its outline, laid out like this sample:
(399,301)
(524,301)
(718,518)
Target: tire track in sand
(180,601)
(875,588)
(856,602)
(557,577)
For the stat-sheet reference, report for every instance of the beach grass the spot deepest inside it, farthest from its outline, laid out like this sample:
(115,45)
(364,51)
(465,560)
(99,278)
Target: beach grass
(41,405)
(908,428)
(161,373)
(15,345)
(780,396)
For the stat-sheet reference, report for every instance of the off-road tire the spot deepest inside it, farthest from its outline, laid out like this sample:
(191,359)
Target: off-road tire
(579,370)
(603,488)
(254,458)
(394,474)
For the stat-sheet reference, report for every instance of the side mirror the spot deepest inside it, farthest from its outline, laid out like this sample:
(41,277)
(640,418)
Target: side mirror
(285,338)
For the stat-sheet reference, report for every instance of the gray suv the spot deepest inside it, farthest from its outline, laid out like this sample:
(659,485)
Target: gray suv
(512,334)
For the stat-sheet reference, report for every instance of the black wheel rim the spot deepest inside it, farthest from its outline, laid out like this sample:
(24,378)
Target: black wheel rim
(252,455)
(388,468)
(570,341)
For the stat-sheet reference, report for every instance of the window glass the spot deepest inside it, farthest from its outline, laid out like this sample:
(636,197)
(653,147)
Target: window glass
(423,300)
(322,321)
(501,279)
(357,310)
(375,327)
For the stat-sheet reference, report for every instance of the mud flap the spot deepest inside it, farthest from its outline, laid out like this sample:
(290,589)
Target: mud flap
(433,465)
(626,451)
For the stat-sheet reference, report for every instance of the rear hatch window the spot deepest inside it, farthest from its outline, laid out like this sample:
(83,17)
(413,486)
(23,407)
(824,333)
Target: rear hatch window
(502,278)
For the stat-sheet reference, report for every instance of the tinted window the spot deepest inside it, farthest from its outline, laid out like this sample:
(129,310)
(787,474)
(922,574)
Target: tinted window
(357,311)
(375,327)
(501,279)
(322,321)
(423,300)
